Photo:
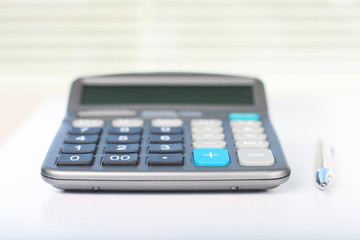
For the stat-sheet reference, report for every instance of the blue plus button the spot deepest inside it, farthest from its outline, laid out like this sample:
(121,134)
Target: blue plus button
(211,157)
(244,116)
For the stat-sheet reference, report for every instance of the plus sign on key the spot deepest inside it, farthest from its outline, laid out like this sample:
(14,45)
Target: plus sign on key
(211,157)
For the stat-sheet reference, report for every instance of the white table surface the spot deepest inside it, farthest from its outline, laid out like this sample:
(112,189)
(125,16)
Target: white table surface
(32,209)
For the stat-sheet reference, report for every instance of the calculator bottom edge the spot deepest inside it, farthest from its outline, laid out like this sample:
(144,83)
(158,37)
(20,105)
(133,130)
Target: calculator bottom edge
(208,185)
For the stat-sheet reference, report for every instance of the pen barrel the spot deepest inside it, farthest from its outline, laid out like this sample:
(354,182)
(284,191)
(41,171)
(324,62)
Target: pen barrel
(325,156)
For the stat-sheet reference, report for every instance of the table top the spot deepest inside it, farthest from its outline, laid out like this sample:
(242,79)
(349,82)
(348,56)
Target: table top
(30,208)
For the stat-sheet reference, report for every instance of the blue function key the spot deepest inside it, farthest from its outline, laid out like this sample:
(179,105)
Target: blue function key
(211,157)
(85,130)
(75,160)
(166,130)
(122,148)
(120,160)
(78,148)
(176,138)
(166,148)
(81,139)
(165,159)
(125,130)
(244,116)
(123,138)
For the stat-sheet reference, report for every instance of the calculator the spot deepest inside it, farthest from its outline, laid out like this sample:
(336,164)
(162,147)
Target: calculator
(166,132)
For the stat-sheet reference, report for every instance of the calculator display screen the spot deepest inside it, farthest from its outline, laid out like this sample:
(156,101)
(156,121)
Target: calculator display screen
(109,95)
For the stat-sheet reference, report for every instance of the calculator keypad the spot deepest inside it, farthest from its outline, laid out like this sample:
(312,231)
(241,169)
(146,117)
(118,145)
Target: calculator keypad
(250,141)
(163,142)
(81,142)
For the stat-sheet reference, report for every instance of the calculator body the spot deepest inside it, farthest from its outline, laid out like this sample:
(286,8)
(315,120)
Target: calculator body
(166,132)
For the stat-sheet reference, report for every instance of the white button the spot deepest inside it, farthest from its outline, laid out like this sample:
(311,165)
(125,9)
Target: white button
(209,144)
(206,122)
(249,136)
(208,136)
(171,122)
(79,123)
(247,129)
(241,123)
(207,129)
(255,157)
(251,144)
(127,122)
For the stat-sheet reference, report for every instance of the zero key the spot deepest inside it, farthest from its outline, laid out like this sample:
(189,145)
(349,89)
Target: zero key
(75,160)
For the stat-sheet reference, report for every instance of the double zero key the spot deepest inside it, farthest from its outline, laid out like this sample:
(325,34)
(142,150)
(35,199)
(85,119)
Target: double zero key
(120,160)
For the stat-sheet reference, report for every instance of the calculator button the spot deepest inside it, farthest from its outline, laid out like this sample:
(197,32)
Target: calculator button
(172,122)
(123,138)
(207,129)
(176,138)
(122,148)
(165,159)
(120,160)
(244,116)
(255,157)
(125,130)
(85,130)
(251,144)
(208,136)
(127,122)
(211,157)
(166,130)
(81,139)
(247,130)
(209,144)
(78,148)
(166,148)
(240,123)
(206,122)
(75,160)
(249,136)
(79,123)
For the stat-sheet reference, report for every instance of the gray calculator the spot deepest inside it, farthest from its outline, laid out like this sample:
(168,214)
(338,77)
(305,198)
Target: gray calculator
(166,132)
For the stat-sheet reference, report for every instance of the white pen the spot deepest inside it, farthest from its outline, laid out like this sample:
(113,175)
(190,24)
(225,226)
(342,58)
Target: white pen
(324,163)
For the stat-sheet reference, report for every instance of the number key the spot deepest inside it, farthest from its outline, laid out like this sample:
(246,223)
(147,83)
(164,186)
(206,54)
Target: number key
(75,160)
(125,130)
(123,139)
(166,130)
(166,138)
(81,139)
(122,148)
(78,148)
(85,130)
(166,148)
